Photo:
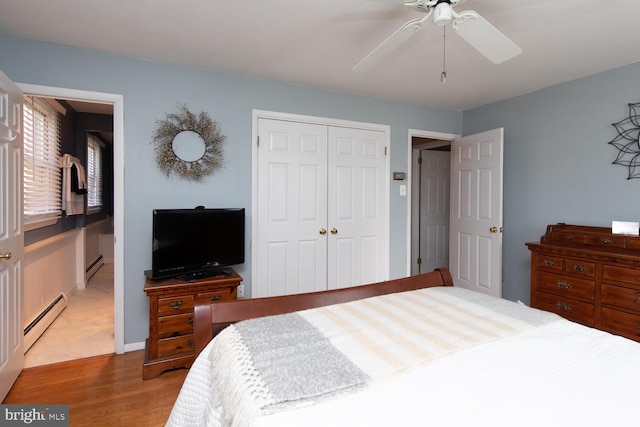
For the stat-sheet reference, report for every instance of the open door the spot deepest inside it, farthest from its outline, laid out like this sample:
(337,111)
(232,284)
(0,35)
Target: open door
(11,234)
(475,257)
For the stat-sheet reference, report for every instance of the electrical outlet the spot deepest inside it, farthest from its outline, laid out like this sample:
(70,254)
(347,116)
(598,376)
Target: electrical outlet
(240,291)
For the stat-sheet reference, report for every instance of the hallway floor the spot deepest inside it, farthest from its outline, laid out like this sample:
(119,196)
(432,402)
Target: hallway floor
(83,329)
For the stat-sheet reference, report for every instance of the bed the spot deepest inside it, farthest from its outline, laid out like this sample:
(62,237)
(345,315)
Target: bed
(409,352)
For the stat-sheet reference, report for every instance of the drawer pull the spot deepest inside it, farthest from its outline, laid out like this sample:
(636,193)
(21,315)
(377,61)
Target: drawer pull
(578,267)
(638,300)
(215,298)
(569,237)
(191,344)
(176,304)
(190,321)
(562,284)
(549,263)
(563,306)
(605,241)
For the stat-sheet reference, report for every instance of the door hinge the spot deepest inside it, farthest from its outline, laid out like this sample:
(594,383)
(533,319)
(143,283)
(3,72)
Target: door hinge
(258,140)
(420,160)
(419,261)
(385,150)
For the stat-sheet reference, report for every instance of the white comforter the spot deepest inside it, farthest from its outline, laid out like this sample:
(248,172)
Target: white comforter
(555,374)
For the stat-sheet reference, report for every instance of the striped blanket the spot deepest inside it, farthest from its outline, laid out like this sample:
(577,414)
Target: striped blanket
(280,362)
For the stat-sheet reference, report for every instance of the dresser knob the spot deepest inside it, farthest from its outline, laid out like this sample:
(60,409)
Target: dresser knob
(606,241)
(549,263)
(191,343)
(215,298)
(563,306)
(176,304)
(578,267)
(569,237)
(638,300)
(562,284)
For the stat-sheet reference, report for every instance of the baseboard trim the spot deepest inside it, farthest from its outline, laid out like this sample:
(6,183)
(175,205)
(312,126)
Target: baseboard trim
(134,346)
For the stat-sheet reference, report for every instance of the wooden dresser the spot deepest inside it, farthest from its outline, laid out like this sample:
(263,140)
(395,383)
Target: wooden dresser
(588,275)
(171,342)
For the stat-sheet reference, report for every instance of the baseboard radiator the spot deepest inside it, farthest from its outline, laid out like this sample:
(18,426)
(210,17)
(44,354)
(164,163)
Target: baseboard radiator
(53,269)
(95,244)
(39,325)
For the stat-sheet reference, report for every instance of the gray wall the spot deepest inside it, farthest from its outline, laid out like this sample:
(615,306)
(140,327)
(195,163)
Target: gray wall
(152,89)
(557,163)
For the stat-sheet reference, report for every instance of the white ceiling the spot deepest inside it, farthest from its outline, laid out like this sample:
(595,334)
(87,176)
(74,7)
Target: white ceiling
(316,43)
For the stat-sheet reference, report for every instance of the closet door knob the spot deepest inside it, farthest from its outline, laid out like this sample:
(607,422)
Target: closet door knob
(323,231)
(6,255)
(334,231)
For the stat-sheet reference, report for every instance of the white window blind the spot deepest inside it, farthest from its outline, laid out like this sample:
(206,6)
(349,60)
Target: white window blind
(42,177)
(94,173)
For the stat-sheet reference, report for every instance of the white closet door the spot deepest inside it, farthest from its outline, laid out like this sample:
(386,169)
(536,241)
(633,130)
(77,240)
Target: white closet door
(292,208)
(357,222)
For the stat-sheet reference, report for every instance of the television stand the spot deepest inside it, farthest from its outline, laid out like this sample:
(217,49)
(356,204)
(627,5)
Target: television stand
(198,275)
(171,343)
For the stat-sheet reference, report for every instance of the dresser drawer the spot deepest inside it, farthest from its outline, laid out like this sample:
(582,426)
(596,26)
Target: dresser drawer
(568,308)
(223,295)
(625,275)
(611,241)
(176,345)
(175,304)
(624,324)
(550,262)
(566,286)
(580,267)
(172,326)
(570,237)
(619,297)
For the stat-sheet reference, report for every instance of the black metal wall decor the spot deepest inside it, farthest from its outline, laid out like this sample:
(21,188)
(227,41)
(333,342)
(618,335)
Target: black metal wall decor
(206,162)
(628,141)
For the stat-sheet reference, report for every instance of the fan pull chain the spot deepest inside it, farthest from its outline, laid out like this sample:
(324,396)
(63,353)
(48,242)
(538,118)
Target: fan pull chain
(443,76)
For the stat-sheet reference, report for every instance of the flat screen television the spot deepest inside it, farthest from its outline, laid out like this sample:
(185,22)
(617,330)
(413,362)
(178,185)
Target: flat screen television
(196,243)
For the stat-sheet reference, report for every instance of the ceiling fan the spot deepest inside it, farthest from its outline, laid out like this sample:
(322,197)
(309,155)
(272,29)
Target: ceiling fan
(473,28)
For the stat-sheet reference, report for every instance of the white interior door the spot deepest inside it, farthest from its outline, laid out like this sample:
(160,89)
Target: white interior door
(432,177)
(292,208)
(11,234)
(357,221)
(476,212)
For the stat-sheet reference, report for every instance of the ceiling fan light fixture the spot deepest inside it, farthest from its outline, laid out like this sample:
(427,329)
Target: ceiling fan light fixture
(442,14)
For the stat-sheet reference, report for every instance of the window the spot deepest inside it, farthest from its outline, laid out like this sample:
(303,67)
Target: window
(94,174)
(42,178)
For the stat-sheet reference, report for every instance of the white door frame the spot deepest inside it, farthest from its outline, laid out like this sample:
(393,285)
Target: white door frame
(265,114)
(419,134)
(118,187)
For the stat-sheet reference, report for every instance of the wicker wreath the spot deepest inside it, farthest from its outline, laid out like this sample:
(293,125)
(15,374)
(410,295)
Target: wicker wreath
(203,125)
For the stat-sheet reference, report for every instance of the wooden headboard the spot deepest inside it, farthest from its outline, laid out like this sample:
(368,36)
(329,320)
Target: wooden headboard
(210,318)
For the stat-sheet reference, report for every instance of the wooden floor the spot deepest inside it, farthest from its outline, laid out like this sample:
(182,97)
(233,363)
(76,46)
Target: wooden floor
(101,391)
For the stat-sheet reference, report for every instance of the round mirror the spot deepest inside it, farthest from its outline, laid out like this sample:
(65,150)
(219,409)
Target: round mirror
(188,146)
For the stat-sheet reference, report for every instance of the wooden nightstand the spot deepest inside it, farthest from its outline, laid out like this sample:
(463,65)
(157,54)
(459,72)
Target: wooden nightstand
(171,342)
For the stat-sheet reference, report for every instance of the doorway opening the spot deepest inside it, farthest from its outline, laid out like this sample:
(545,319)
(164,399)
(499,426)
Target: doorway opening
(429,202)
(431,160)
(113,269)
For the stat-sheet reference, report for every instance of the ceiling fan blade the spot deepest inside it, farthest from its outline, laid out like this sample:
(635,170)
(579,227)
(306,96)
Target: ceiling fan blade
(400,36)
(486,38)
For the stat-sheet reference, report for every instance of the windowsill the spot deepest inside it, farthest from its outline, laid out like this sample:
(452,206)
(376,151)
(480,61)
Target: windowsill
(32,225)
